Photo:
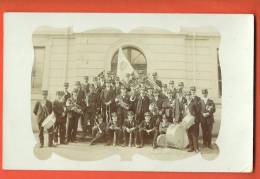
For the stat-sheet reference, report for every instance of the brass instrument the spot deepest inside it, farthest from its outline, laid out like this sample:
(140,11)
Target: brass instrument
(73,106)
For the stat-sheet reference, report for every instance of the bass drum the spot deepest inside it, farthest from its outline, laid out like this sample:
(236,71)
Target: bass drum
(176,136)
(161,140)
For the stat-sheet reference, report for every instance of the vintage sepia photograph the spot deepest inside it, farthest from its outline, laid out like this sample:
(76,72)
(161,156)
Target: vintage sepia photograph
(149,91)
(128,92)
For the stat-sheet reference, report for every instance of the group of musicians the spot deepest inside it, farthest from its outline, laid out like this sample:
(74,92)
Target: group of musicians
(127,112)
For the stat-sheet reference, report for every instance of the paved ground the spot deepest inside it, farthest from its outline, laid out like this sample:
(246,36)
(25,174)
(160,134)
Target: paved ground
(85,152)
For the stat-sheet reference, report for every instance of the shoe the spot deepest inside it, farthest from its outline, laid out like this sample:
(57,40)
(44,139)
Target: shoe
(197,150)
(41,146)
(191,150)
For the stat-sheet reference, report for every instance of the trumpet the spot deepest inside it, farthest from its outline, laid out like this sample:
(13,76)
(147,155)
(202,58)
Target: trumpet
(73,106)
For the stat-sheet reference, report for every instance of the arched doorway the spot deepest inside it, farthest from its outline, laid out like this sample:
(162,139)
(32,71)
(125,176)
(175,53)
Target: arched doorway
(134,56)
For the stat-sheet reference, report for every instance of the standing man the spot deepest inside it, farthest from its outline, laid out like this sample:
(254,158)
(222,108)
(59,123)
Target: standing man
(142,106)
(41,110)
(80,101)
(155,79)
(172,88)
(107,101)
(58,108)
(122,106)
(179,103)
(66,92)
(193,130)
(90,111)
(207,118)
(86,85)
(74,113)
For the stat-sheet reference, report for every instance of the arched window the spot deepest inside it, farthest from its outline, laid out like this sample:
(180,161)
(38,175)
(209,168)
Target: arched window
(135,57)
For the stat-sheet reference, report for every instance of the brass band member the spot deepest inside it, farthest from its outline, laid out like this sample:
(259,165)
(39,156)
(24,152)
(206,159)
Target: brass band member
(42,109)
(207,118)
(142,105)
(58,108)
(147,130)
(193,130)
(74,113)
(122,102)
(113,132)
(179,103)
(130,130)
(99,129)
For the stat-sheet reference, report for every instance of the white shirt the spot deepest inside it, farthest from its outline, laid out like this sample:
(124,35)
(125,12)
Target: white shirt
(205,100)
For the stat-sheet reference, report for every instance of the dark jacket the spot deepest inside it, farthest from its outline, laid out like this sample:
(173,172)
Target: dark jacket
(42,111)
(208,107)
(142,105)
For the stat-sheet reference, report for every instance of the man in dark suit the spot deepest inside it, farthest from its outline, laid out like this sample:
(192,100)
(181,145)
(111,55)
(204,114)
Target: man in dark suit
(107,101)
(130,129)
(80,101)
(192,131)
(155,79)
(42,109)
(66,96)
(142,106)
(122,105)
(172,88)
(90,110)
(60,123)
(157,100)
(147,129)
(85,86)
(207,118)
(179,102)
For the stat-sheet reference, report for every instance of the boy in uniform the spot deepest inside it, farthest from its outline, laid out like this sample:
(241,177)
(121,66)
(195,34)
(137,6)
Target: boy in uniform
(130,129)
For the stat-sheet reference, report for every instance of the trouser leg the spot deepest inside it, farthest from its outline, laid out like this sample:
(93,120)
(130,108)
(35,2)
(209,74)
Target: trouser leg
(69,129)
(41,137)
(62,132)
(50,136)
(75,127)
(209,134)
(204,132)
(190,137)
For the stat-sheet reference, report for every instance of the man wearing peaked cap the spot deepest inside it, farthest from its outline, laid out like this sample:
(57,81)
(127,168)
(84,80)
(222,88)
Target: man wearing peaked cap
(196,100)
(41,110)
(130,130)
(113,132)
(142,105)
(147,130)
(122,105)
(172,88)
(193,130)
(60,123)
(91,101)
(155,79)
(208,109)
(179,102)
(85,86)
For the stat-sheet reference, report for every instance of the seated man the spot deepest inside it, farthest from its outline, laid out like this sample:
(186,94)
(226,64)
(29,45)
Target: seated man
(147,130)
(99,129)
(113,130)
(129,129)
